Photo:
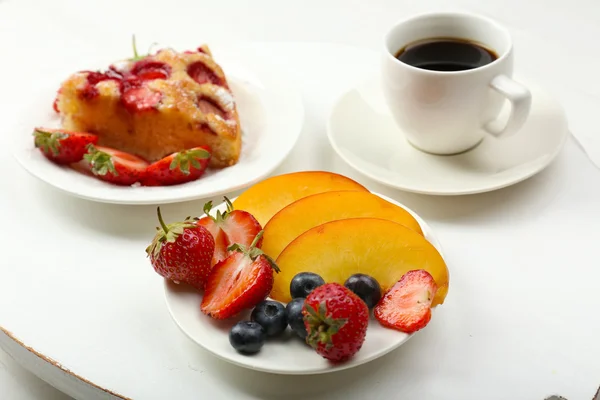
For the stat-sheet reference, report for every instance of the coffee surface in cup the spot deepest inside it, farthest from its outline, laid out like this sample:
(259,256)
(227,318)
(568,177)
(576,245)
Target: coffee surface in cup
(446,54)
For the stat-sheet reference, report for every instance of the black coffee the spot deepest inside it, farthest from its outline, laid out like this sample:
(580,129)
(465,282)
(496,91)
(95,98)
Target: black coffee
(446,54)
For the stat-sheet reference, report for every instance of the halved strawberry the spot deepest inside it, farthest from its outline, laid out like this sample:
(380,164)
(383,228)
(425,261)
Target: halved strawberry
(230,227)
(140,98)
(221,243)
(407,305)
(177,168)
(239,282)
(115,166)
(61,146)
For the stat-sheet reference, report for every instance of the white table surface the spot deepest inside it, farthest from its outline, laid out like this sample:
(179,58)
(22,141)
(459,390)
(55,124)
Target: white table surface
(521,318)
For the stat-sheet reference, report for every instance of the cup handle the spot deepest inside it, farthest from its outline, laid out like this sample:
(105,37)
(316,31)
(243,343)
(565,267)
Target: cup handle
(520,99)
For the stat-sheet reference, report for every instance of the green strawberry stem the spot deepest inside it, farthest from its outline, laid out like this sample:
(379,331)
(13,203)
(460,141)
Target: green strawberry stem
(135,53)
(184,159)
(207,207)
(161,221)
(48,141)
(254,252)
(136,56)
(229,205)
(256,239)
(321,327)
(100,161)
(167,233)
(220,217)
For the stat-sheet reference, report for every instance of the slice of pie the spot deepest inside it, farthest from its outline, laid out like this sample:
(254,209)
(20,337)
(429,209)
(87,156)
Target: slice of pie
(156,105)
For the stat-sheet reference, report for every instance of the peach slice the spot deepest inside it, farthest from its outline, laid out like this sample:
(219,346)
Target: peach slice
(318,209)
(383,249)
(266,198)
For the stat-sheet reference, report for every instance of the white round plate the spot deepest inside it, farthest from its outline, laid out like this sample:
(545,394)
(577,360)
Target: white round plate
(288,355)
(364,134)
(271,115)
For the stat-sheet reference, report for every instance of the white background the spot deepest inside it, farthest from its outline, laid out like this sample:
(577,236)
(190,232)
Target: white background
(541,226)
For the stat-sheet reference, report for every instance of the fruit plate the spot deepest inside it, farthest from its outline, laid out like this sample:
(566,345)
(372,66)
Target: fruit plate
(288,354)
(271,114)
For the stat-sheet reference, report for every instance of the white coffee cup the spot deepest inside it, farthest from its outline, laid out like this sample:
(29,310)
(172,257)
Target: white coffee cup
(444,112)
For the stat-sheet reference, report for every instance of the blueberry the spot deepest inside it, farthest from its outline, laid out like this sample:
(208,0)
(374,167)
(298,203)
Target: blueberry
(294,316)
(365,287)
(271,315)
(304,283)
(247,337)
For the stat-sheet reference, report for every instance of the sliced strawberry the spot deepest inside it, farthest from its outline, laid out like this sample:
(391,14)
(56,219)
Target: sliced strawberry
(129,82)
(140,98)
(55,103)
(115,166)
(199,72)
(208,106)
(89,92)
(239,282)
(230,227)
(407,305)
(149,69)
(61,146)
(177,168)
(94,77)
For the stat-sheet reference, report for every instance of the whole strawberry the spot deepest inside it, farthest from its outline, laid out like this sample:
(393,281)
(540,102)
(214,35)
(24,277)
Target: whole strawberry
(182,252)
(336,320)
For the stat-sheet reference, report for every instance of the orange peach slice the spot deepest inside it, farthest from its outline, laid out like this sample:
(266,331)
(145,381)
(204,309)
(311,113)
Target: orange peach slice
(318,209)
(383,249)
(266,198)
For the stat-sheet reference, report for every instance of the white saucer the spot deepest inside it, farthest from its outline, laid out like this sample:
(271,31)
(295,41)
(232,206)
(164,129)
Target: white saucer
(363,133)
(287,355)
(271,114)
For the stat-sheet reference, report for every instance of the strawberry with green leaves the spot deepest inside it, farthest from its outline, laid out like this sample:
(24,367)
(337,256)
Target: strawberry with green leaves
(230,227)
(177,168)
(114,166)
(239,282)
(181,252)
(336,321)
(62,146)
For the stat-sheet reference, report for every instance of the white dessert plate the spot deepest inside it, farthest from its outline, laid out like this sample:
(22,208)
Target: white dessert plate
(271,114)
(364,134)
(287,355)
